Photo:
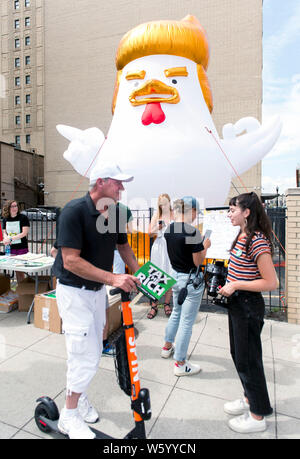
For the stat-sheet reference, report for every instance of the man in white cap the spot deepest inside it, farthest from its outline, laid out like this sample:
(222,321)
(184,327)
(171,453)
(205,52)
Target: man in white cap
(89,231)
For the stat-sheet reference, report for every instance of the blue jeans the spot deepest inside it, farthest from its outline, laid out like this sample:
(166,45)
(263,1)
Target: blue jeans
(182,319)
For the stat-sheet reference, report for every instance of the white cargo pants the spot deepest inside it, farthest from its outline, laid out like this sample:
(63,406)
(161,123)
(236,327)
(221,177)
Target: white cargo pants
(83,315)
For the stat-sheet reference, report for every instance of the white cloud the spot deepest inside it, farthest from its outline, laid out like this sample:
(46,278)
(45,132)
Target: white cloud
(283,38)
(279,166)
(269,184)
(281,80)
(289,111)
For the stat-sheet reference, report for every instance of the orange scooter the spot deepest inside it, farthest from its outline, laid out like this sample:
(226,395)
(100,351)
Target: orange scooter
(47,414)
(127,368)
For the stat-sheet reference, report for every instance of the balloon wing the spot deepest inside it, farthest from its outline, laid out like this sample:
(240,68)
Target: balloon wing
(83,148)
(246,150)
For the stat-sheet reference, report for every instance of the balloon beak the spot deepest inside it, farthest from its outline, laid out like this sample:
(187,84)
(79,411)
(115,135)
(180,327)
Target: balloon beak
(144,95)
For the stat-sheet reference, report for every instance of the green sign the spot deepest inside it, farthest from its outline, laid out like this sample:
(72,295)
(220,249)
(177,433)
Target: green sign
(154,281)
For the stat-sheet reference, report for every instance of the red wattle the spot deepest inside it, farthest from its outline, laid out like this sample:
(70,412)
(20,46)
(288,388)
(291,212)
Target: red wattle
(153,114)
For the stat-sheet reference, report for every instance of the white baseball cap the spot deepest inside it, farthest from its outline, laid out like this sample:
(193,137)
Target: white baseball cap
(109,170)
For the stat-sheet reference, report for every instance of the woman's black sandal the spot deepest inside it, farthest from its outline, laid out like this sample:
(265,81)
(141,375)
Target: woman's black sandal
(153,311)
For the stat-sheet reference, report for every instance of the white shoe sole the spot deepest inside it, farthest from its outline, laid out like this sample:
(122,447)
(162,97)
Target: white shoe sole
(242,430)
(236,412)
(191,373)
(65,432)
(167,354)
(92,421)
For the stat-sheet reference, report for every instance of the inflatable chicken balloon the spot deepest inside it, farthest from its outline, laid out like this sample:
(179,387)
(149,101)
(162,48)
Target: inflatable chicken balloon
(162,131)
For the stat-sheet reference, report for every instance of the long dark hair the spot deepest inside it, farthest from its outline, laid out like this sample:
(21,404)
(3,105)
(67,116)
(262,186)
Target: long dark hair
(257,220)
(6,208)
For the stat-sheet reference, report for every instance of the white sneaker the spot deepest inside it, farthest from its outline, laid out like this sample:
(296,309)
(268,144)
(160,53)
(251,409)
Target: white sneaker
(74,426)
(236,407)
(187,369)
(86,410)
(247,424)
(166,353)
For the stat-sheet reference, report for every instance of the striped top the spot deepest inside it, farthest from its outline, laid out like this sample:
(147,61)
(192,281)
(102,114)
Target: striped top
(242,266)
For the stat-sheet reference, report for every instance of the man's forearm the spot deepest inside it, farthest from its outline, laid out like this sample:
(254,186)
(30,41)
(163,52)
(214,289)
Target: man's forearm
(128,256)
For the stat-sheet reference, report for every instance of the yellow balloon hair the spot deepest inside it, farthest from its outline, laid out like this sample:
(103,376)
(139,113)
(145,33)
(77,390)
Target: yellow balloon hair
(185,38)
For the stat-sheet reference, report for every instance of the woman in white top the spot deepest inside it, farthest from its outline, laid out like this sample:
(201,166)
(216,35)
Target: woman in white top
(159,254)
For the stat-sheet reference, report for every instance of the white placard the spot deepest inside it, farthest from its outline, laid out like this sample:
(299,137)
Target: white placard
(45,314)
(223,233)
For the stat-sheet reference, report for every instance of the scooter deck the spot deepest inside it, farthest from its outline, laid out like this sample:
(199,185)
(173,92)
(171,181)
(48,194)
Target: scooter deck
(54,428)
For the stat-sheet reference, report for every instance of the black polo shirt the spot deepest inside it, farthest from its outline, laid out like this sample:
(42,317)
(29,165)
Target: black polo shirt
(182,241)
(83,228)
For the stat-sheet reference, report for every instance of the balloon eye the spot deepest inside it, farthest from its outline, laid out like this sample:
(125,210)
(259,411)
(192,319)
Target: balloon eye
(174,81)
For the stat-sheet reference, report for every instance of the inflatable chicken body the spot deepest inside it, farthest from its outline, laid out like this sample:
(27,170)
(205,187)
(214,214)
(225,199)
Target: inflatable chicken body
(162,131)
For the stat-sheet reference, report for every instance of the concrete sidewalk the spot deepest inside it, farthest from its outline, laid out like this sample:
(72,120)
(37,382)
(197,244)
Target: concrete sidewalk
(33,363)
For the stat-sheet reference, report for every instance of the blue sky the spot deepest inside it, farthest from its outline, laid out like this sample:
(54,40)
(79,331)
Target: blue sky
(281,90)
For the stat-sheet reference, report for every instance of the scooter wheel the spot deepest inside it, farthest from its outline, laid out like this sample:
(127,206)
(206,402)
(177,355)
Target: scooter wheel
(42,410)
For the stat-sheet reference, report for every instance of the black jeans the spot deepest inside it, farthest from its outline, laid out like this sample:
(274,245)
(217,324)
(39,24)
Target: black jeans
(246,320)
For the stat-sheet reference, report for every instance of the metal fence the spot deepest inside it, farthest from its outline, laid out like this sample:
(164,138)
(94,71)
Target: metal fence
(42,235)
(276,300)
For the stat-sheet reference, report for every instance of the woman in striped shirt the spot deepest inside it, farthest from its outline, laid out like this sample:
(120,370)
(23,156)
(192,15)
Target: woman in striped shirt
(250,272)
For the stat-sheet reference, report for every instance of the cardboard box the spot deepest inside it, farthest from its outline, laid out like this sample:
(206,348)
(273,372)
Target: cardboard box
(26,290)
(54,282)
(4,284)
(46,314)
(114,315)
(8,302)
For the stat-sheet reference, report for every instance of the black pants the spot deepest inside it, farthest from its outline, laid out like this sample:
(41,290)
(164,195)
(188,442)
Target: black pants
(246,320)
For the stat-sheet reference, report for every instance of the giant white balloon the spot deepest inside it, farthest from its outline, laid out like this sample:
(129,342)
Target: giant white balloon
(162,131)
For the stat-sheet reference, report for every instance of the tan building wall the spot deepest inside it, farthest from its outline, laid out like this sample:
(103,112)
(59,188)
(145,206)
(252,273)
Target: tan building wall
(81,39)
(7,164)
(22,56)
(292,288)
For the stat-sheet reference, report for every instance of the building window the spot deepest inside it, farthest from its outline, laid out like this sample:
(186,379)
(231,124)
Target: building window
(17,62)
(27,3)
(27,79)
(28,139)
(17,81)
(28,99)
(27,41)
(17,43)
(27,22)
(18,100)
(18,120)
(17,23)
(27,119)
(17,140)
(17,4)
(27,60)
